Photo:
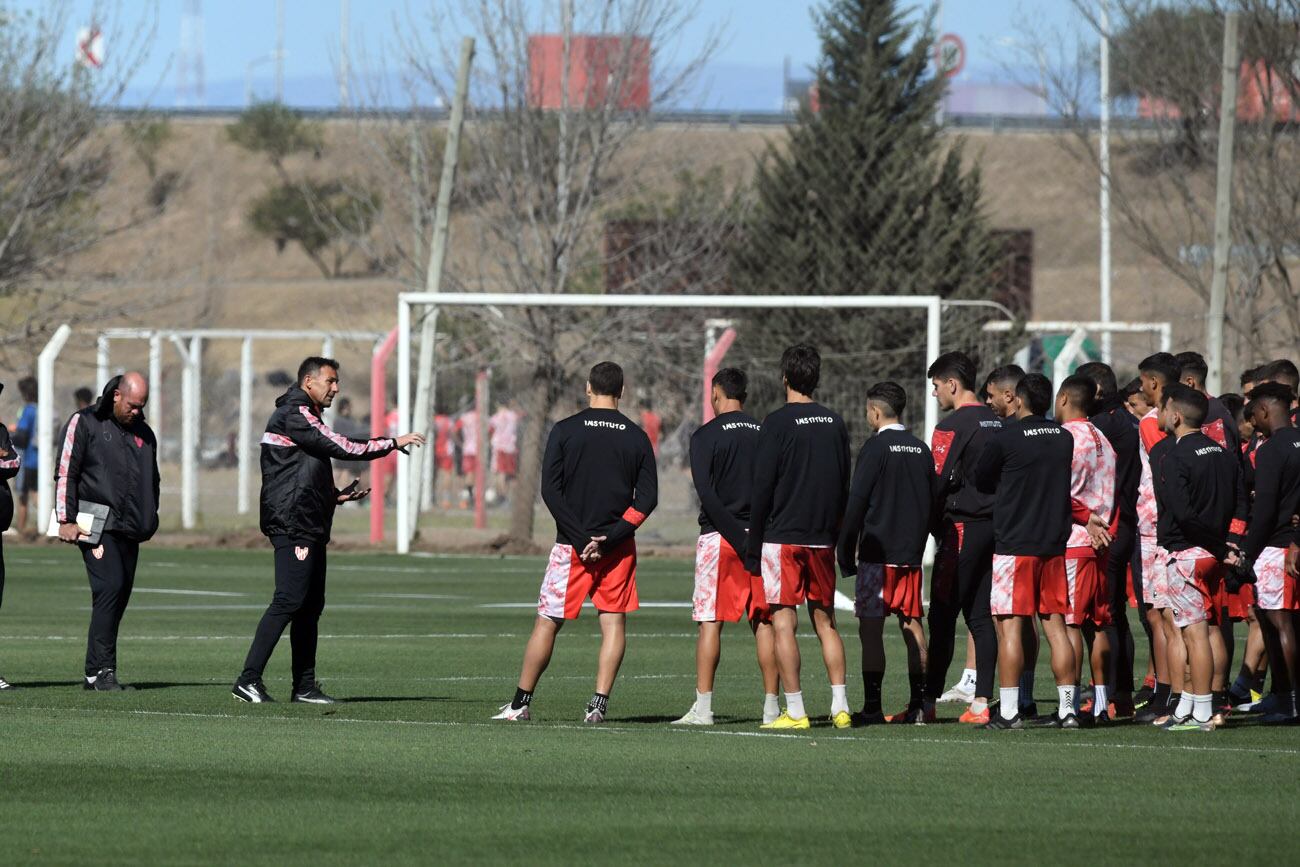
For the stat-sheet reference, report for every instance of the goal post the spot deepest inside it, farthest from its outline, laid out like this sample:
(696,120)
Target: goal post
(409,302)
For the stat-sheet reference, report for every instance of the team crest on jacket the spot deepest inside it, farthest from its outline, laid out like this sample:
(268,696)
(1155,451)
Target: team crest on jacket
(139,442)
(301,553)
(98,553)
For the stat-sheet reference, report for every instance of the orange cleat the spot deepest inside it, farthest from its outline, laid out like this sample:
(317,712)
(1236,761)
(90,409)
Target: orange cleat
(981,718)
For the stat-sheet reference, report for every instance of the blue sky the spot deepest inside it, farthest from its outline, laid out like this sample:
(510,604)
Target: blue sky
(745,74)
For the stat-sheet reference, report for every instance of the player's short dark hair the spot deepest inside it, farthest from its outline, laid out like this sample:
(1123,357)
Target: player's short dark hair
(801,365)
(1281,370)
(954,365)
(1080,391)
(1102,376)
(1035,391)
(606,379)
(311,366)
(84,395)
(27,388)
(1134,387)
(1250,375)
(1234,403)
(1192,364)
(1275,392)
(1163,365)
(1194,405)
(891,395)
(733,382)
(1006,375)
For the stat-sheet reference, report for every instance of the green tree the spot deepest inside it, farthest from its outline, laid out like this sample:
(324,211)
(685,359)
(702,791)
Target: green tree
(277,131)
(322,218)
(864,198)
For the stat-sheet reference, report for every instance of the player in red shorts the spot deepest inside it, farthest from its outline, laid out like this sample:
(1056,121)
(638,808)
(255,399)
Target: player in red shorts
(1093,504)
(1201,496)
(444,460)
(722,467)
(881,545)
(599,483)
(1026,465)
(1277,499)
(801,482)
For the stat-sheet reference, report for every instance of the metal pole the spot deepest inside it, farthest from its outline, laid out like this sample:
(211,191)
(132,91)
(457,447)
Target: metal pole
(327,350)
(196,429)
(156,385)
(480,466)
(345,71)
(933,325)
(279,51)
(427,454)
(45,425)
(403,424)
(187,431)
(244,445)
(1069,352)
(1105,179)
(1222,208)
(101,361)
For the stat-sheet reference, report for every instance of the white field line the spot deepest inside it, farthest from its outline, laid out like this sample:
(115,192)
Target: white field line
(408,596)
(699,731)
(184,592)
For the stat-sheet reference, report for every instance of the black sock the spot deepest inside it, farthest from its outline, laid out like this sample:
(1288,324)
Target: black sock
(522,699)
(871,681)
(599,701)
(1220,699)
(1174,699)
(916,682)
(1160,698)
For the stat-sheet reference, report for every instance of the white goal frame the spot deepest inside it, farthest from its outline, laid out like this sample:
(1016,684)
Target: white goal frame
(406,301)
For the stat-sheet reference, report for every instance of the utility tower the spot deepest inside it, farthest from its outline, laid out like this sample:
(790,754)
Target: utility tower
(189,59)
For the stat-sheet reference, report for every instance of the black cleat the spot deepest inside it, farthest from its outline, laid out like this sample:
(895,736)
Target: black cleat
(1070,722)
(311,695)
(1029,711)
(1100,721)
(997,724)
(106,681)
(1147,715)
(1046,721)
(862,718)
(253,693)
(1143,696)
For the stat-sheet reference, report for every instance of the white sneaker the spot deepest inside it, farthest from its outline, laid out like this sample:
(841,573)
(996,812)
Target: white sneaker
(694,718)
(594,716)
(959,693)
(513,714)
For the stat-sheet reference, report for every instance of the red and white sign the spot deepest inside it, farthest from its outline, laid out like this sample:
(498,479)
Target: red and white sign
(949,55)
(90,47)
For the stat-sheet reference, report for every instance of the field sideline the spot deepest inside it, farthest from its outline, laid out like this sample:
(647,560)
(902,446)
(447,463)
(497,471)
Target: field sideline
(409,770)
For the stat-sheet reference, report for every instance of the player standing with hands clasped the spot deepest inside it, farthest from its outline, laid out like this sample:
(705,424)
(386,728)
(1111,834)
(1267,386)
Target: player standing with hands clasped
(600,483)
(298,503)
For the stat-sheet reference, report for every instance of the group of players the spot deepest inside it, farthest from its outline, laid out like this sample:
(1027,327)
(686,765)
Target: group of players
(1048,508)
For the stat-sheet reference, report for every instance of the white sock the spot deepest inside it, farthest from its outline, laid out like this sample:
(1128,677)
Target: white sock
(1100,701)
(979,705)
(967,678)
(794,705)
(1010,705)
(1185,704)
(1065,697)
(703,703)
(839,699)
(1202,707)
(771,707)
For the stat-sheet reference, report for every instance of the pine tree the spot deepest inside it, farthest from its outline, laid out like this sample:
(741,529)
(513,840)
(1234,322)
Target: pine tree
(864,198)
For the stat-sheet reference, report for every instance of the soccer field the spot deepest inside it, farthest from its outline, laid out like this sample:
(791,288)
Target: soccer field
(408,769)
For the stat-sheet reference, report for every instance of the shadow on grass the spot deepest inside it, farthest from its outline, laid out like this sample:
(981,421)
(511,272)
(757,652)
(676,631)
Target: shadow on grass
(131,686)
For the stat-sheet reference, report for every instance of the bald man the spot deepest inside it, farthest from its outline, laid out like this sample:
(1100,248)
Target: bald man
(109,456)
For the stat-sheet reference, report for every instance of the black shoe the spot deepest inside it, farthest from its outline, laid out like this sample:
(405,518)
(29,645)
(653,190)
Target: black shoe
(1142,696)
(1046,721)
(1147,715)
(106,681)
(997,724)
(253,693)
(1029,711)
(1100,721)
(1070,722)
(862,718)
(311,695)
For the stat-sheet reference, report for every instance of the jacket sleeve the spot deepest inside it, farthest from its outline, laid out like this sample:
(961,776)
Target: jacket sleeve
(1178,500)
(553,492)
(67,473)
(730,528)
(11,460)
(644,499)
(1264,519)
(766,459)
(316,438)
(989,469)
(864,480)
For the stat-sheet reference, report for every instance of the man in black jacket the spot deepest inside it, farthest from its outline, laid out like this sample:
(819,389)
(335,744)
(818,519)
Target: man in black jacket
(11,461)
(108,455)
(298,502)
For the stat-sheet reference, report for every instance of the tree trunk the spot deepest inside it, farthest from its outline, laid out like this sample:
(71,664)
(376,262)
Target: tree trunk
(538,401)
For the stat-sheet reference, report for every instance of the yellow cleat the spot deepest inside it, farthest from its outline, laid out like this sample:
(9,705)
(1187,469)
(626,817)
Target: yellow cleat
(842,720)
(785,721)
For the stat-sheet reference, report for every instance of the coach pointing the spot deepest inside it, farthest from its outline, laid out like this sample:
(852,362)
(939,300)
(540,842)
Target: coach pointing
(109,457)
(298,502)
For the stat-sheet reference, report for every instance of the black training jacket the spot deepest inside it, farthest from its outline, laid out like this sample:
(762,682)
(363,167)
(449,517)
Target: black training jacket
(722,468)
(1201,494)
(1118,426)
(956,444)
(1277,492)
(101,461)
(1026,466)
(891,500)
(298,493)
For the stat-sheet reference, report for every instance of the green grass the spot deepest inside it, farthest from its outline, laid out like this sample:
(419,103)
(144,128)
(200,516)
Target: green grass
(409,770)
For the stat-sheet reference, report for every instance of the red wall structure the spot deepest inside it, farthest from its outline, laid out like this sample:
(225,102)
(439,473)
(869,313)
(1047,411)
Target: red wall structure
(1262,95)
(593,61)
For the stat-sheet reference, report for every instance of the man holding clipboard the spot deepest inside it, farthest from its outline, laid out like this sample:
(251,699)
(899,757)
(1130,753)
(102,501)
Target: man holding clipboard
(106,503)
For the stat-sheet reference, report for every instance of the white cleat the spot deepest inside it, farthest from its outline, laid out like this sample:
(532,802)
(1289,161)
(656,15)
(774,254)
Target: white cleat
(694,718)
(959,693)
(513,714)
(594,716)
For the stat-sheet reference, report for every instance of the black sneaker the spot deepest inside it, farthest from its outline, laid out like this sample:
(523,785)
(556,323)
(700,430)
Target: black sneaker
(1147,715)
(1070,722)
(253,693)
(106,681)
(1029,711)
(1100,721)
(1143,696)
(311,695)
(862,718)
(997,724)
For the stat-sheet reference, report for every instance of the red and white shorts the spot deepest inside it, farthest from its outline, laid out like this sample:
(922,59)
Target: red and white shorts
(1089,601)
(505,463)
(1018,581)
(794,574)
(882,589)
(610,582)
(444,463)
(1275,589)
(1193,588)
(1155,568)
(723,587)
(468,465)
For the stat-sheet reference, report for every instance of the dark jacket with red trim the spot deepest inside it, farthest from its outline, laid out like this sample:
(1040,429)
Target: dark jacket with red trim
(298,493)
(1202,497)
(101,461)
(598,478)
(956,444)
